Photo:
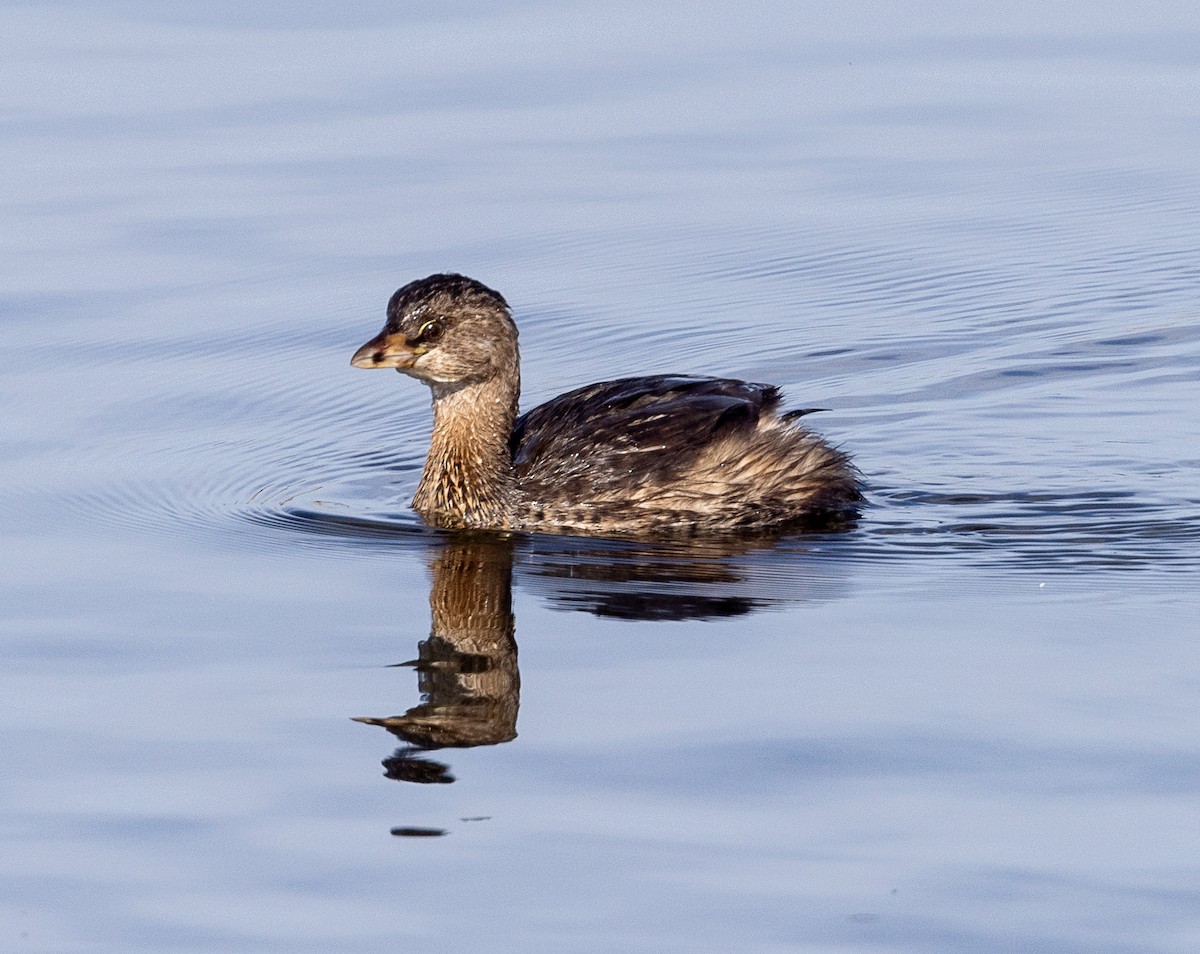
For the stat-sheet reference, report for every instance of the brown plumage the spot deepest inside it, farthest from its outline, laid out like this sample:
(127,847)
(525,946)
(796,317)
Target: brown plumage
(636,456)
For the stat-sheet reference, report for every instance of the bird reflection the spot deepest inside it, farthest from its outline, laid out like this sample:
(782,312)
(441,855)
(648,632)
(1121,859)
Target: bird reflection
(694,579)
(467,668)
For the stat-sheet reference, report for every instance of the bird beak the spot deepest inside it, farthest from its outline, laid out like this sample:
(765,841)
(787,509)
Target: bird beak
(386,351)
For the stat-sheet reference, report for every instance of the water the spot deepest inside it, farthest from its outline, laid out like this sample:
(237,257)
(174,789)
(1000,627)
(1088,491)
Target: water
(966,724)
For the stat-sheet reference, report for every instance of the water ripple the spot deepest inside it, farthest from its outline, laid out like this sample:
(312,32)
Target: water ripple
(1038,532)
(1004,380)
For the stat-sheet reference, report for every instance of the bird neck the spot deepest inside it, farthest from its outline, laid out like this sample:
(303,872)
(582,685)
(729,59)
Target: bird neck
(468,477)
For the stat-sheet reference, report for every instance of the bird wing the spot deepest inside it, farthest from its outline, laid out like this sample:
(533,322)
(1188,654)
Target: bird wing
(644,427)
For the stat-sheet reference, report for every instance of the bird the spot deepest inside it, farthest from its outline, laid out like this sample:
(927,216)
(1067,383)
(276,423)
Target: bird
(633,457)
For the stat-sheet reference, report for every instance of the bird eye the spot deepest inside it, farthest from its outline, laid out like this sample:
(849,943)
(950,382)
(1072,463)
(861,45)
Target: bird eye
(430,331)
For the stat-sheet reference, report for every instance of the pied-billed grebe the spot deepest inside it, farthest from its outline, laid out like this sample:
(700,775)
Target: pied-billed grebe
(660,454)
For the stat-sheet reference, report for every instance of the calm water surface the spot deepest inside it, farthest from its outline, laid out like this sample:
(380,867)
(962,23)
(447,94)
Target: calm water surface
(968,724)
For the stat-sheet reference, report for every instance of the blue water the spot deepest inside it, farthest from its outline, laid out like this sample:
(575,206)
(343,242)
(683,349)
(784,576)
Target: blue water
(967,724)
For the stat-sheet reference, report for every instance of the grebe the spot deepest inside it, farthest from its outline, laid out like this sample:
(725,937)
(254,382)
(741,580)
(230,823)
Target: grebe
(664,454)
